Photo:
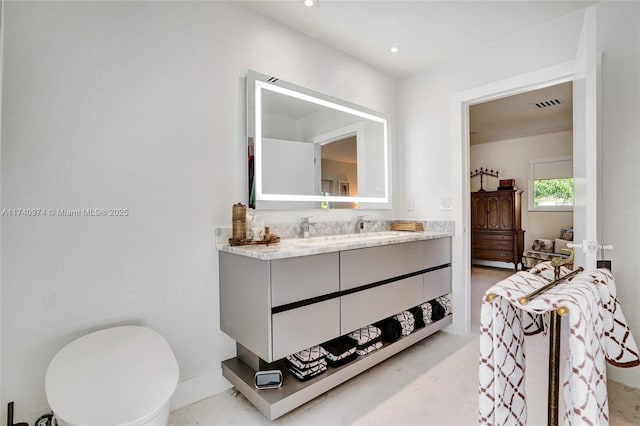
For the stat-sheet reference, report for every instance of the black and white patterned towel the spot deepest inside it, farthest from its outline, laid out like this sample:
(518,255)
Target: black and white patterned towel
(339,347)
(365,334)
(427,312)
(416,311)
(407,322)
(445,302)
(437,310)
(343,361)
(334,358)
(307,374)
(311,354)
(305,365)
(369,349)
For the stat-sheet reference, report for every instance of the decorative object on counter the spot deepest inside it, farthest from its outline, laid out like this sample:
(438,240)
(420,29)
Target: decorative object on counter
(257,227)
(481,172)
(239,217)
(407,226)
(249,229)
(507,185)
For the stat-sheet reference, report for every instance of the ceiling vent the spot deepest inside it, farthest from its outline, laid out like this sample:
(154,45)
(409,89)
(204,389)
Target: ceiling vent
(548,103)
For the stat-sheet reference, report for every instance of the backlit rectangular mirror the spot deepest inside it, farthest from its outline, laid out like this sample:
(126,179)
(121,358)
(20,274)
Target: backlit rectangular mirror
(309,150)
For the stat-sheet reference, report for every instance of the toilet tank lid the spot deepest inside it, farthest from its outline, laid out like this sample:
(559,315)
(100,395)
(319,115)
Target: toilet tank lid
(117,376)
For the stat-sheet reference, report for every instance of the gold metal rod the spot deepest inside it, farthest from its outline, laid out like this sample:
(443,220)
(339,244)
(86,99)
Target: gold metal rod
(525,299)
(554,369)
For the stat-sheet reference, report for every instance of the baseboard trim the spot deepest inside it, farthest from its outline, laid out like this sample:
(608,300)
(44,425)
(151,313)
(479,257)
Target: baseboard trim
(198,388)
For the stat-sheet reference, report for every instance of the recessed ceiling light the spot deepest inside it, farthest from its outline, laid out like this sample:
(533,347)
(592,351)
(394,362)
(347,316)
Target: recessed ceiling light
(394,49)
(309,3)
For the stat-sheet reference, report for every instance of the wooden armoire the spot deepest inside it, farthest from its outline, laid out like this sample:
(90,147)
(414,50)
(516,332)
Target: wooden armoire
(496,226)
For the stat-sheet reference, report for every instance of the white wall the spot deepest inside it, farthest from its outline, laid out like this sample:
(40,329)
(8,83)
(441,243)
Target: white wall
(619,42)
(135,105)
(430,167)
(511,158)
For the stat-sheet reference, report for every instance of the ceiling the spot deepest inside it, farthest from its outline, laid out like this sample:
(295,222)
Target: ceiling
(430,33)
(537,112)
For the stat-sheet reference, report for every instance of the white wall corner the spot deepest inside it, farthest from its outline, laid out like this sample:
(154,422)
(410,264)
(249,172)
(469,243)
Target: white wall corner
(198,388)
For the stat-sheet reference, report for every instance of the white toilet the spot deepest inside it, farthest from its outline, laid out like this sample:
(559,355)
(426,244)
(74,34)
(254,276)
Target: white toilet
(121,376)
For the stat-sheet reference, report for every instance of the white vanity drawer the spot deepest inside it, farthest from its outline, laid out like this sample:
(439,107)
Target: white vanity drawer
(437,252)
(437,283)
(373,264)
(368,306)
(301,278)
(300,328)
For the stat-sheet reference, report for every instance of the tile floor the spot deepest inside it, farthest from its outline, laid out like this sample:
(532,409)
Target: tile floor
(431,383)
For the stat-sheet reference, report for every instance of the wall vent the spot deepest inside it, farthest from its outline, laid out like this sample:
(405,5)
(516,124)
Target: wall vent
(548,103)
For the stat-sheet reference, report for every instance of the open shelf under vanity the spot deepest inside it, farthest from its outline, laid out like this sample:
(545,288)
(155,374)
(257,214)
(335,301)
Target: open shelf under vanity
(273,403)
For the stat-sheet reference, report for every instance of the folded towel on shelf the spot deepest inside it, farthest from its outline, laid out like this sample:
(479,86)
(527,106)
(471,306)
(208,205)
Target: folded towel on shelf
(301,365)
(426,312)
(417,316)
(308,373)
(364,335)
(390,328)
(342,361)
(339,347)
(437,310)
(406,321)
(311,354)
(445,302)
(369,349)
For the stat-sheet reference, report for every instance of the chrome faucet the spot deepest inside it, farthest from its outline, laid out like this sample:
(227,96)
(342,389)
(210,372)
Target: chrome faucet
(360,224)
(304,226)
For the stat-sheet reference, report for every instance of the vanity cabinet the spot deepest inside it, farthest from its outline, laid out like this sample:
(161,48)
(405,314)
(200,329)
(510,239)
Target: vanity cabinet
(276,307)
(259,302)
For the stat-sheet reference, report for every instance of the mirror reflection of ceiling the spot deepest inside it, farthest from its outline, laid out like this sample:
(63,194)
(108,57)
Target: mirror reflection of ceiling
(344,150)
(428,32)
(287,106)
(537,112)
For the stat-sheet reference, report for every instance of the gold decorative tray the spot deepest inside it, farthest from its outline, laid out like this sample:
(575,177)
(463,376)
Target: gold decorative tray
(271,239)
(407,226)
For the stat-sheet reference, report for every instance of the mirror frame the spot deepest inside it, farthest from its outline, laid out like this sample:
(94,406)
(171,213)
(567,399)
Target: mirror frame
(256,83)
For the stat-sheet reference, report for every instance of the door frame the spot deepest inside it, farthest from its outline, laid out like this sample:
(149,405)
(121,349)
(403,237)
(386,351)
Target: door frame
(459,131)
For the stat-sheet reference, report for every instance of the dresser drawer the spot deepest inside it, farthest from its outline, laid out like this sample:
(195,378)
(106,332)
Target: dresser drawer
(492,241)
(498,255)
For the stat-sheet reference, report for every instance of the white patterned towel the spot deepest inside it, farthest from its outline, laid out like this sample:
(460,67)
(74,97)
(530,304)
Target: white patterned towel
(365,334)
(621,349)
(501,373)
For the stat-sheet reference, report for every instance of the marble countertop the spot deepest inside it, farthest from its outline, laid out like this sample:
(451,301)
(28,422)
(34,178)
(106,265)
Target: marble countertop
(295,247)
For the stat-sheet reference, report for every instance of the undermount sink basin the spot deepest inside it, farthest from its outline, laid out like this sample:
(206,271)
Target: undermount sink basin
(334,240)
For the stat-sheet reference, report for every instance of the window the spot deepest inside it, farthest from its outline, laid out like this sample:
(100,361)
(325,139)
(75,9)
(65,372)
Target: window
(551,184)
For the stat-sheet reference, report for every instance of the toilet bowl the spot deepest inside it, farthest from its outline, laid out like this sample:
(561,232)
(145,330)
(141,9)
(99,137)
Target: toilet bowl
(121,376)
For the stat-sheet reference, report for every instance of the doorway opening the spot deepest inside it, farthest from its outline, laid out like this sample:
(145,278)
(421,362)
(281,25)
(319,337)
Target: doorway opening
(461,135)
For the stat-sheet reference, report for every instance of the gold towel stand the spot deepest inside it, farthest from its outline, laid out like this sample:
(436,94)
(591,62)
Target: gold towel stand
(554,334)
